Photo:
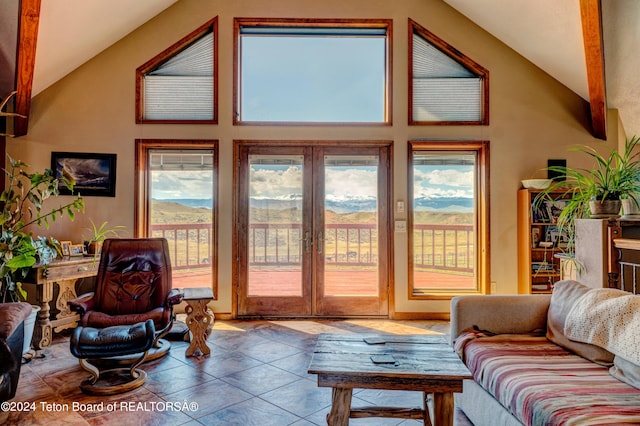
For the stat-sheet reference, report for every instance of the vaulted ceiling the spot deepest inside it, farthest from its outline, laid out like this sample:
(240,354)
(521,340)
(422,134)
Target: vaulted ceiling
(549,33)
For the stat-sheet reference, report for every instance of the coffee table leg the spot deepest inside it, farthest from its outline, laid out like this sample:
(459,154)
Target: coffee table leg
(426,420)
(340,407)
(443,408)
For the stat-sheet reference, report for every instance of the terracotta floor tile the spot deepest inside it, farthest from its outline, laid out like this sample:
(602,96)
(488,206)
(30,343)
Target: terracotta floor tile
(260,379)
(252,412)
(302,397)
(165,382)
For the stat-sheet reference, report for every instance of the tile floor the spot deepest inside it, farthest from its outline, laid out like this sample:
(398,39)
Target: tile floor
(256,375)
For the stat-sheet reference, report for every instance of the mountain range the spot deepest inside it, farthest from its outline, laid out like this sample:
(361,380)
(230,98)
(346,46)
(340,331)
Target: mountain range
(452,204)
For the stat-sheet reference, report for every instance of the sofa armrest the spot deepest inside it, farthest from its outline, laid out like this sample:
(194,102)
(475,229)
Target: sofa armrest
(500,314)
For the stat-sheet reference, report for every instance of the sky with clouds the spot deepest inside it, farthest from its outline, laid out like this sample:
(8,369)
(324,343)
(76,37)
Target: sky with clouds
(443,181)
(342,183)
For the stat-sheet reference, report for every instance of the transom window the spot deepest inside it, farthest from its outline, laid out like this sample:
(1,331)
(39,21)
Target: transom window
(179,84)
(446,87)
(321,71)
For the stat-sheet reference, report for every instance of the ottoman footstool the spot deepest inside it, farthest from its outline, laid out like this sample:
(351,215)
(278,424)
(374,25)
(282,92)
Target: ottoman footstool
(90,343)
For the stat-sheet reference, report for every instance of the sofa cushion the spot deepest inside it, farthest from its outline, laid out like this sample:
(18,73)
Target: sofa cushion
(626,371)
(541,383)
(565,294)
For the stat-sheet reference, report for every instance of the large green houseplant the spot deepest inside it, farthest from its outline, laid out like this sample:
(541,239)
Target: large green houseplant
(21,206)
(614,176)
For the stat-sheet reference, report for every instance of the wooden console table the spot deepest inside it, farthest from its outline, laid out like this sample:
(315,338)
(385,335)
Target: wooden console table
(65,273)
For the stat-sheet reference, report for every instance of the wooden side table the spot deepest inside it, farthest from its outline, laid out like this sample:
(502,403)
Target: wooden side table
(198,319)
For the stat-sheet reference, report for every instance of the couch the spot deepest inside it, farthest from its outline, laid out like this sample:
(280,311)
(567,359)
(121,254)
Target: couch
(572,357)
(12,316)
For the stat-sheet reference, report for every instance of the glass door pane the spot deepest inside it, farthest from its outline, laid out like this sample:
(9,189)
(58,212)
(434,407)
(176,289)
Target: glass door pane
(181,210)
(351,263)
(351,226)
(276,239)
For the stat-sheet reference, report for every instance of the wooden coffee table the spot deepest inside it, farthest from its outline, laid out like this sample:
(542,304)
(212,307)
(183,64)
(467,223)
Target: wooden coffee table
(425,363)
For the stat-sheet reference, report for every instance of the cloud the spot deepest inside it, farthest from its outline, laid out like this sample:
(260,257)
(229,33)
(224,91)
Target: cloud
(174,184)
(432,182)
(448,177)
(351,183)
(276,182)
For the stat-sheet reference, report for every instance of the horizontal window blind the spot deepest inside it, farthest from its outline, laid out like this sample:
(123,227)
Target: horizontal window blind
(444,159)
(181,159)
(443,89)
(182,87)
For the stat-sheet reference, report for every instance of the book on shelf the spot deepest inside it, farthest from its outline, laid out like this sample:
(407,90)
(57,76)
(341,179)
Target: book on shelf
(540,287)
(542,266)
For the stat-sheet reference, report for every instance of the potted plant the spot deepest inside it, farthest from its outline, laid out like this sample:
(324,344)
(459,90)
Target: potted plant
(99,234)
(595,192)
(22,205)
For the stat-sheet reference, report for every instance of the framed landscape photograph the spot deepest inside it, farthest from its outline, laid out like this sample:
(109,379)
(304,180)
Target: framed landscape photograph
(95,174)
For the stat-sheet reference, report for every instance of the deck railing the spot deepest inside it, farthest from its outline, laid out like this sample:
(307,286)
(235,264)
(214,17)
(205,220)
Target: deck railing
(189,243)
(449,247)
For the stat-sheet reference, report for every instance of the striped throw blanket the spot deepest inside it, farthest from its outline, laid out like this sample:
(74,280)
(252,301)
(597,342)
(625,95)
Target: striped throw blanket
(543,384)
(607,318)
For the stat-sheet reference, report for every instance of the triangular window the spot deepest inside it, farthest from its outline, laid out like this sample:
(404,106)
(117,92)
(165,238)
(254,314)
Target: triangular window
(179,85)
(446,87)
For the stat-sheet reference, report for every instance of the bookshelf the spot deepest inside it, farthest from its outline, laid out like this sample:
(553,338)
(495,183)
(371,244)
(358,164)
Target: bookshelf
(538,242)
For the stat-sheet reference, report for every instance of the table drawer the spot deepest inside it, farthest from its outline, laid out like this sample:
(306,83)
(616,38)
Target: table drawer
(67,272)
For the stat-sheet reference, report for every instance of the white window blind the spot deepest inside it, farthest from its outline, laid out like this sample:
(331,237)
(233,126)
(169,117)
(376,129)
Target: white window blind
(443,89)
(181,88)
(192,159)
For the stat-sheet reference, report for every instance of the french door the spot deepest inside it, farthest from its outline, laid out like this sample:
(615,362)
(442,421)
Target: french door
(312,229)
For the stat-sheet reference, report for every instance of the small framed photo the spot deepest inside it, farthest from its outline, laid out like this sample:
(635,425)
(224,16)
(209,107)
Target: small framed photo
(554,208)
(76,250)
(95,174)
(66,248)
(559,239)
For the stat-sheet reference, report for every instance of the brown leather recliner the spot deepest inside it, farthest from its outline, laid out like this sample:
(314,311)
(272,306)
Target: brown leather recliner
(133,285)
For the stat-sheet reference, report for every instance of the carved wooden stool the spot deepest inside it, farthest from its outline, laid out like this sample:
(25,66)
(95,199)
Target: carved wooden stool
(199,319)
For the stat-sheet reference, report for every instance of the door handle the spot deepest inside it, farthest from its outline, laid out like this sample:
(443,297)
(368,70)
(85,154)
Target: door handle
(320,242)
(307,241)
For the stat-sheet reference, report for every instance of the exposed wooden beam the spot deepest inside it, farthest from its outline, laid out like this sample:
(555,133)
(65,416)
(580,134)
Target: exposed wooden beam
(27,41)
(591,15)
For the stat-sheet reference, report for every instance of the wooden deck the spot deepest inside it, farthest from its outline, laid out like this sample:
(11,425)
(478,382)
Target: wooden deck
(337,283)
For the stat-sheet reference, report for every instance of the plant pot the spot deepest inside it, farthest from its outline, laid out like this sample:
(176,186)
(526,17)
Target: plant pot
(630,208)
(94,248)
(29,326)
(604,208)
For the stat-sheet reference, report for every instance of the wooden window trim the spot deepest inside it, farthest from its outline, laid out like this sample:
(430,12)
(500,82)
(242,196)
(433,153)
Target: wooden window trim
(210,26)
(456,55)
(295,22)
(141,189)
(482,212)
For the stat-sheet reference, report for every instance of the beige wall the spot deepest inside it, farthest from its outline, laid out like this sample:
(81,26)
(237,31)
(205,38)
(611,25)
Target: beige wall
(533,118)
